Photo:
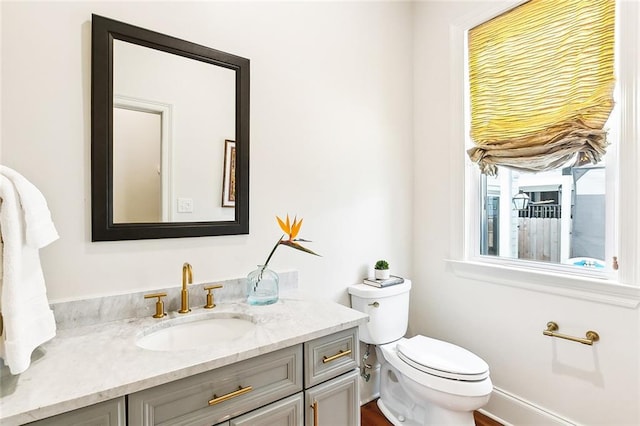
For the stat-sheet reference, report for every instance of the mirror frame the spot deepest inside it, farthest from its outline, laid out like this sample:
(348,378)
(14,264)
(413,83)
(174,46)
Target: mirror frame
(104,31)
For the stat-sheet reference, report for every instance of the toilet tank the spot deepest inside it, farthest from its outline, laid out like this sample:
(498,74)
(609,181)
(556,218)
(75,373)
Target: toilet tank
(388,310)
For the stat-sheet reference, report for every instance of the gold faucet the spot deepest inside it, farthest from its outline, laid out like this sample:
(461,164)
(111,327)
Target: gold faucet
(187,275)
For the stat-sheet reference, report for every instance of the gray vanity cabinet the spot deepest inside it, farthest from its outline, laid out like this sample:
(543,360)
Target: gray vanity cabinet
(268,390)
(107,413)
(331,380)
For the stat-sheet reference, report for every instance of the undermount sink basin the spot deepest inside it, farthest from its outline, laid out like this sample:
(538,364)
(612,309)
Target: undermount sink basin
(178,336)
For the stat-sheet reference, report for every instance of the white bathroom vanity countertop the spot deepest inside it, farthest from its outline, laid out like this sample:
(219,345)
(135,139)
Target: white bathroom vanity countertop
(86,365)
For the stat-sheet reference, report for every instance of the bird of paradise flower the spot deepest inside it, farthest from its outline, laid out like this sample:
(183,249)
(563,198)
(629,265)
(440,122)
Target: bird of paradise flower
(292,230)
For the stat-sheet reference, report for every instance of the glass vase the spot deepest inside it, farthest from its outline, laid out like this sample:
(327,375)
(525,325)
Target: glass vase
(262,286)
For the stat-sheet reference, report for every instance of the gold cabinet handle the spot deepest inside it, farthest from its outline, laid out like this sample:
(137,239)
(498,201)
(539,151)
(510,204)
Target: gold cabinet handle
(340,354)
(241,391)
(314,407)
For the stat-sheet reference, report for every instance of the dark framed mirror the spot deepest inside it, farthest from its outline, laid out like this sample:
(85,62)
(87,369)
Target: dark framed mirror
(169,136)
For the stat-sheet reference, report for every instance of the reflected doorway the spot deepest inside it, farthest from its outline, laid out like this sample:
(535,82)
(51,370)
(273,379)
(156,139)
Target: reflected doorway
(140,178)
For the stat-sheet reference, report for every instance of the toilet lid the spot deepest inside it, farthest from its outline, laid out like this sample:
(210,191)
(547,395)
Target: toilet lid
(442,359)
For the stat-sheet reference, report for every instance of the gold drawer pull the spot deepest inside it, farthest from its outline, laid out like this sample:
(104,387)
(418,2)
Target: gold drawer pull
(314,407)
(326,359)
(241,391)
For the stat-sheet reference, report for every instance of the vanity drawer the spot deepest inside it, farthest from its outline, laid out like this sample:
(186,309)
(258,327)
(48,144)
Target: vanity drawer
(330,356)
(217,395)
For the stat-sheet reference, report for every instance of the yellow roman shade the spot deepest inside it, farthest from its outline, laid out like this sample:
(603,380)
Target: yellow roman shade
(541,81)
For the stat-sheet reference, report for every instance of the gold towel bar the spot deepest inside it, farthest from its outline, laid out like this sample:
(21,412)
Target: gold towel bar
(552,327)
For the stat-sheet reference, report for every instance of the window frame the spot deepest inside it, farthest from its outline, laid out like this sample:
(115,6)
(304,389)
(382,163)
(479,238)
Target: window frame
(621,288)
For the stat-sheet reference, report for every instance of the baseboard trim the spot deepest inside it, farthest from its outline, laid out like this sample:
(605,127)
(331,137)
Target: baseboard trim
(504,405)
(369,399)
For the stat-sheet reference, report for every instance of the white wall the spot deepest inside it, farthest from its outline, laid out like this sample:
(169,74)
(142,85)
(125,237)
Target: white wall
(331,138)
(539,380)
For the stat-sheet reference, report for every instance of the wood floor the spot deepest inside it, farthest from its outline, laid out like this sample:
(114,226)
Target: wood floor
(370,415)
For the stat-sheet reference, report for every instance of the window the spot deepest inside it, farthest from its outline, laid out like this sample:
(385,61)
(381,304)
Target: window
(563,221)
(540,94)
(578,204)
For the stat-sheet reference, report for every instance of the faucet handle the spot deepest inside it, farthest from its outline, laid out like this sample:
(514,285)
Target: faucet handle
(210,304)
(159,304)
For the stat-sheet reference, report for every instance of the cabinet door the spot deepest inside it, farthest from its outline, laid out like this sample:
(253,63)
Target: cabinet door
(333,403)
(108,413)
(287,412)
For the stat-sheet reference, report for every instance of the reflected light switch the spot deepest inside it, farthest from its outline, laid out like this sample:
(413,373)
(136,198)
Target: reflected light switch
(185,205)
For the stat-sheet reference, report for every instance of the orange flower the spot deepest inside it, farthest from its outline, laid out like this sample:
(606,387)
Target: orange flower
(292,230)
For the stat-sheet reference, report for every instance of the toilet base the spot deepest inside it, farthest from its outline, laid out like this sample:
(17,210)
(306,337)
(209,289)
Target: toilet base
(435,416)
(394,402)
(395,418)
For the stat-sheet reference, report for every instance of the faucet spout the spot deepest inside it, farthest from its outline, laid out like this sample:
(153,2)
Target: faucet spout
(187,278)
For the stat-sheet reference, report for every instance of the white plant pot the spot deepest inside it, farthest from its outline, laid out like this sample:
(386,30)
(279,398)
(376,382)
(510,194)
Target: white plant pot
(381,274)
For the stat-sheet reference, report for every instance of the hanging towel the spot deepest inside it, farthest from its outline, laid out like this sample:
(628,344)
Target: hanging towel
(25,227)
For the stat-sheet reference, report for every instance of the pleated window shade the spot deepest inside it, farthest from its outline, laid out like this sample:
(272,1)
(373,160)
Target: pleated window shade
(541,80)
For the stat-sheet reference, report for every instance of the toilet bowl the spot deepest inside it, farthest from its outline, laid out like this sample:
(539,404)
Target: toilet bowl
(423,381)
(423,396)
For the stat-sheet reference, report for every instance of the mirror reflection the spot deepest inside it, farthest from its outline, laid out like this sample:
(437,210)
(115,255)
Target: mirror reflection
(171,118)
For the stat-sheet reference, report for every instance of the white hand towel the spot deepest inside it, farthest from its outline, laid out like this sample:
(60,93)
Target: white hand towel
(39,228)
(25,225)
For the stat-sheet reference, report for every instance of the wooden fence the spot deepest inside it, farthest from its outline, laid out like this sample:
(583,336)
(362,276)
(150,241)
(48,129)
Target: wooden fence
(539,238)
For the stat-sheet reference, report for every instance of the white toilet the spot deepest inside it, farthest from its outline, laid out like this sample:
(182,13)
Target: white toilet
(423,381)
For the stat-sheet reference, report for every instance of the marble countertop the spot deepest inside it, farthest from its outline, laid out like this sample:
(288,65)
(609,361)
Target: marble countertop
(85,365)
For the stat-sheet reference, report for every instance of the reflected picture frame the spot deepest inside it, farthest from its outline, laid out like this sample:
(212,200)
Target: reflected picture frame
(229,174)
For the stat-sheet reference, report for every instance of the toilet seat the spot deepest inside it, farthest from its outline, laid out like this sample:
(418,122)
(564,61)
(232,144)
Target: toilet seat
(442,359)
(476,388)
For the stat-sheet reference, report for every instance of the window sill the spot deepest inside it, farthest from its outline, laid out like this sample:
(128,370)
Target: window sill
(577,287)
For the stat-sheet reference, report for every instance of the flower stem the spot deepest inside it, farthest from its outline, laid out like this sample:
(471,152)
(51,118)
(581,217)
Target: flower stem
(267,262)
(272,251)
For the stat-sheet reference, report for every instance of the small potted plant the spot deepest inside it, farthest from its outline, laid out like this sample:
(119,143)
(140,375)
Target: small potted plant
(382,270)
